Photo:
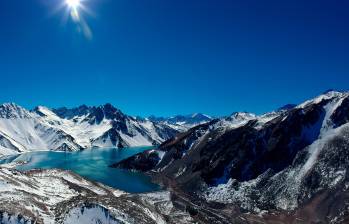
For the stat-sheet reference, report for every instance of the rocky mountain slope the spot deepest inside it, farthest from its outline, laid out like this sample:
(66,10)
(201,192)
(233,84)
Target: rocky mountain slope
(55,196)
(288,166)
(78,128)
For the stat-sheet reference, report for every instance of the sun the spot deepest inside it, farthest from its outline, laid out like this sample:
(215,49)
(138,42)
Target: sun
(75,9)
(74,4)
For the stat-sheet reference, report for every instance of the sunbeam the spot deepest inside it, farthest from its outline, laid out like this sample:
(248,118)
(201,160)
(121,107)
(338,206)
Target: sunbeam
(74,8)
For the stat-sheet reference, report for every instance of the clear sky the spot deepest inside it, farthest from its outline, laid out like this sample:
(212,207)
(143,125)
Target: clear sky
(168,57)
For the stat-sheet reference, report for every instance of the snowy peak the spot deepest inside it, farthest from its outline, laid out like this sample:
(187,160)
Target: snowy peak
(91,114)
(191,119)
(185,120)
(235,120)
(325,96)
(97,114)
(12,111)
(241,116)
(108,112)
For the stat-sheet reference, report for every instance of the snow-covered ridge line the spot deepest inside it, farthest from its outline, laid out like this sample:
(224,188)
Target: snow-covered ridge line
(78,128)
(326,96)
(85,127)
(182,122)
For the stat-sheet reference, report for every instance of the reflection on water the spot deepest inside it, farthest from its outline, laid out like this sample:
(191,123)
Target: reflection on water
(91,164)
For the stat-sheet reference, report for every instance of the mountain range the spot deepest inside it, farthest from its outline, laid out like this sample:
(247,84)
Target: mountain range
(287,166)
(82,127)
(290,165)
(183,120)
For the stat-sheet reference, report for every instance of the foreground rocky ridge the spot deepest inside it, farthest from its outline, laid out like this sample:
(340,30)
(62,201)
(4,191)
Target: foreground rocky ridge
(56,196)
(288,166)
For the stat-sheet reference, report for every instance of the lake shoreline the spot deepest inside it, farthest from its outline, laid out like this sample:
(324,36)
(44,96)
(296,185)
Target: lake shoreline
(58,151)
(91,164)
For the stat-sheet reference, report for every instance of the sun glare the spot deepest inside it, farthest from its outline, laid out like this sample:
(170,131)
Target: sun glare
(75,9)
(73,3)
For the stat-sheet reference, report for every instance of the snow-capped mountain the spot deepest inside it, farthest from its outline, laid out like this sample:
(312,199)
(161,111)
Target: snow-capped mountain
(22,130)
(286,166)
(78,128)
(186,121)
(106,126)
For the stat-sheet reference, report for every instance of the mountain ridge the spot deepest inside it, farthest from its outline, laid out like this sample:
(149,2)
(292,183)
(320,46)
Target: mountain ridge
(278,167)
(70,129)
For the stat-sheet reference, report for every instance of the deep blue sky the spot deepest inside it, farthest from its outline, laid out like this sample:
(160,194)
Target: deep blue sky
(167,57)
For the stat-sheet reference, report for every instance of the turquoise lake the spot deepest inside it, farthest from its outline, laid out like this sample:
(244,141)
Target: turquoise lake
(91,164)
